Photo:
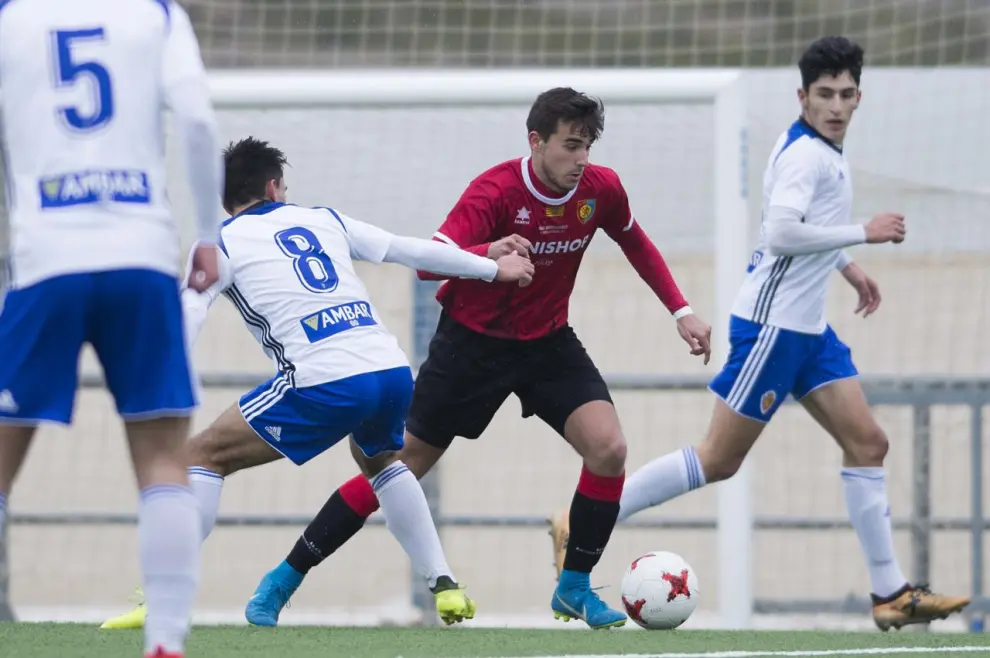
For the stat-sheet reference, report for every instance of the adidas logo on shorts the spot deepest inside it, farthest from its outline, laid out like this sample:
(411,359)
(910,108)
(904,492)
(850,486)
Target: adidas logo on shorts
(275,432)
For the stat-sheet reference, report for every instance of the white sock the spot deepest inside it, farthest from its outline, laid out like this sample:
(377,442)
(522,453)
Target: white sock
(408,518)
(666,477)
(207,487)
(3,511)
(168,532)
(869,511)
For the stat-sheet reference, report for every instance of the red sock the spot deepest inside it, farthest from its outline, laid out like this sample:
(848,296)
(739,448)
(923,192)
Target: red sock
(606,488)
(359,496)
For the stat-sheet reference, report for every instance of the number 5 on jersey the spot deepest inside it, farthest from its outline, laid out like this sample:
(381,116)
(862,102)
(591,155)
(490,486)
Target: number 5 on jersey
(69,69)
(313,267)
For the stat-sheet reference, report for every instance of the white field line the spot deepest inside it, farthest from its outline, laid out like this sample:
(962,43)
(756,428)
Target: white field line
(791,654)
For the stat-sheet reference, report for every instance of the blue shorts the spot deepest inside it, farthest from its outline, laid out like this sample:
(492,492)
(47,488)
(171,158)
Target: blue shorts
(133,320)
(766,363)
(301,423)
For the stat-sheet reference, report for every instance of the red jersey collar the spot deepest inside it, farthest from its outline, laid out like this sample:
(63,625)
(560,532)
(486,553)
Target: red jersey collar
(539,190)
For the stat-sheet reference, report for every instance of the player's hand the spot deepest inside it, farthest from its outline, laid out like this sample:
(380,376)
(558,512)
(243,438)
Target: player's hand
(867,288)
(513,244)
(886,227)
(697,335)
(513,267)
(204,269)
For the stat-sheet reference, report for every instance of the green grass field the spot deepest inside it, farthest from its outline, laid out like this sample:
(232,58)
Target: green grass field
(78,641)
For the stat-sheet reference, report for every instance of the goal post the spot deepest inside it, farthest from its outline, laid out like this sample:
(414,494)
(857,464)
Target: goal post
(721,88)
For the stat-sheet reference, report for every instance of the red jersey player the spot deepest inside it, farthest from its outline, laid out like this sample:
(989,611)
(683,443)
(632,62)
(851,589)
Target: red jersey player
(496,340)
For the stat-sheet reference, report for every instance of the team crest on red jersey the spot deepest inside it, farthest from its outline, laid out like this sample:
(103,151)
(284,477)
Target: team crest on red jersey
(585,210)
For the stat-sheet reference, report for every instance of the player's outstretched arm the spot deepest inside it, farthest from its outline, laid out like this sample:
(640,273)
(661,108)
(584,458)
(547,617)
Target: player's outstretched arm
(187,93)
(373,244)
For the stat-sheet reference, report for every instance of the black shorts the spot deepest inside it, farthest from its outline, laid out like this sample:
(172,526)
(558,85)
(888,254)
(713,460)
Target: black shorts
(467,376)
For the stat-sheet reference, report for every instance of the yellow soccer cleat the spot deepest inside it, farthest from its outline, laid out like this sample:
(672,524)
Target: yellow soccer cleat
(453,605)
(133,619)
(914,605)
(560,530)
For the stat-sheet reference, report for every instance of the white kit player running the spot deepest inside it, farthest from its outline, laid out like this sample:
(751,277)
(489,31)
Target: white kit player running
(94,254)
(781,344)
(289,271)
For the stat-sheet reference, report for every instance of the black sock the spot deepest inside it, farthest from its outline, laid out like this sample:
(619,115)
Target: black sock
(333,526)
(592,522)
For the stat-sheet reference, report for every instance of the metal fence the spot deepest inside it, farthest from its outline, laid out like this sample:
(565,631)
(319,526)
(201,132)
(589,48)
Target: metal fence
(919,393)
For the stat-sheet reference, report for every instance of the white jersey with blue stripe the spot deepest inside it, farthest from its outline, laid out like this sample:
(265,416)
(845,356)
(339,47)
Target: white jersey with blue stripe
(83,84)
(809,174)
(290,272)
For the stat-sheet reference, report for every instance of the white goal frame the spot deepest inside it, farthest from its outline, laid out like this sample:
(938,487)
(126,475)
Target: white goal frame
(722,88)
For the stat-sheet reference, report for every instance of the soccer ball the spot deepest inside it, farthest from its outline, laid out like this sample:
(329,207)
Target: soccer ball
(659,590)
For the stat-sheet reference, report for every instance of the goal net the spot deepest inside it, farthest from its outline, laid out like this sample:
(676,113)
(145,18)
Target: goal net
(400,155)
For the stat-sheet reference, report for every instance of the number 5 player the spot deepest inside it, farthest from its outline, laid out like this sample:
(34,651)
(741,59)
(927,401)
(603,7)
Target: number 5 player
(94,254)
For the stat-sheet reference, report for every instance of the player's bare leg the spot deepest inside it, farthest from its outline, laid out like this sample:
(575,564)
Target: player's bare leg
(225,447)
(729,439)
(168,531)
(842,410)
(15,440)
(340,518)
(593,430)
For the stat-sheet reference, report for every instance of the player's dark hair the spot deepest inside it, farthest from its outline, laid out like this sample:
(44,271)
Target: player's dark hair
(249,165)
(563,104)
(830,56)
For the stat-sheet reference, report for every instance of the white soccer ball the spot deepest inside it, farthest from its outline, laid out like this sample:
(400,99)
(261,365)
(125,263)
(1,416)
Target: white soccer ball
(660,590)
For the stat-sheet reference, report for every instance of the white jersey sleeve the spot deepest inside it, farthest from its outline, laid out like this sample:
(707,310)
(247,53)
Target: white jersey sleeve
(368,242)
(376,245)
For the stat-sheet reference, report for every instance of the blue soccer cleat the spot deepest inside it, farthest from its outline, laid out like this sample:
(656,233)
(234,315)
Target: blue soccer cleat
(574,599)
(272,594)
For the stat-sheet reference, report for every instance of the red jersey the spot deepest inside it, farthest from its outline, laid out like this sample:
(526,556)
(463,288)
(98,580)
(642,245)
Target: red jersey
(509,199)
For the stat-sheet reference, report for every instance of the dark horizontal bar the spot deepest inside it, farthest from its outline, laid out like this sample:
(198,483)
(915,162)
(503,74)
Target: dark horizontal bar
(760,523)
(880,389)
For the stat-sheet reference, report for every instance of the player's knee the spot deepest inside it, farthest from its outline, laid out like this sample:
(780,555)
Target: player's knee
(608,455)
(869,448)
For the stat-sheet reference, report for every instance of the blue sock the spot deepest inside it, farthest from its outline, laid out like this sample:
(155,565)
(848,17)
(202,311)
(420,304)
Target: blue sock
(287,575)
(574,580)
